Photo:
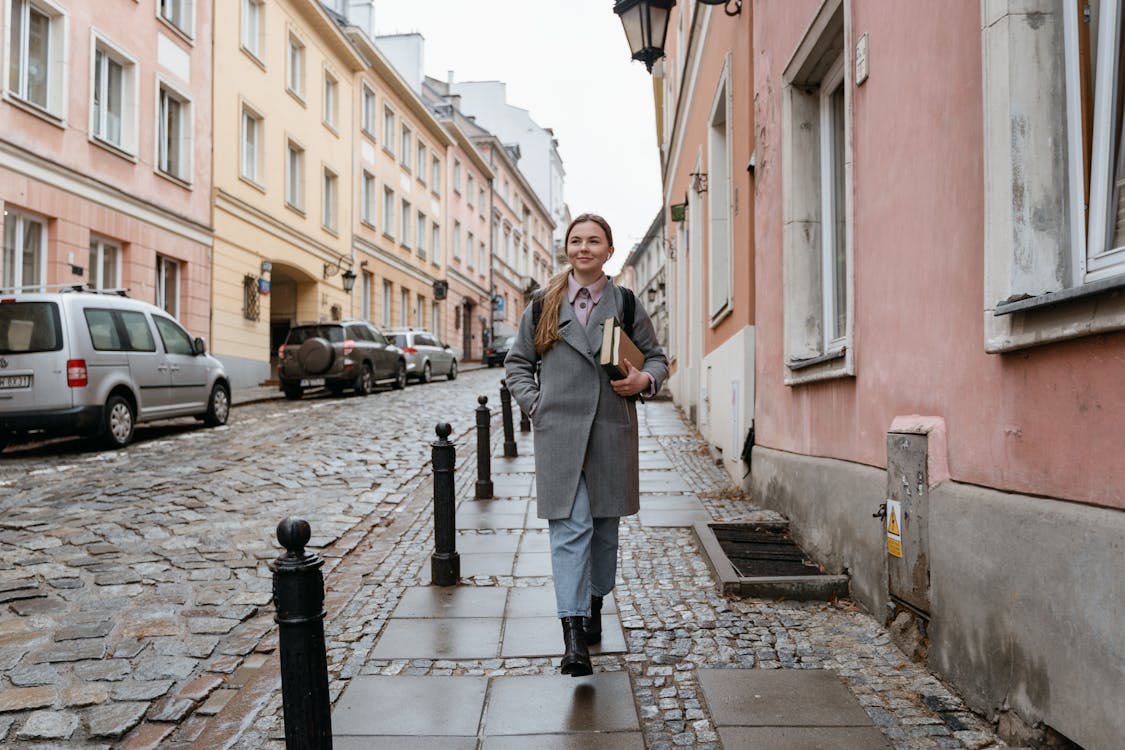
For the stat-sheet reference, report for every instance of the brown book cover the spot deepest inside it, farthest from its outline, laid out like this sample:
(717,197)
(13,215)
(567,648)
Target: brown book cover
(616,348)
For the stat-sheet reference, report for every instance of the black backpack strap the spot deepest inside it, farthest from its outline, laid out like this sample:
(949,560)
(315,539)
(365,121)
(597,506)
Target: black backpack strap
(536,310)
(629,302)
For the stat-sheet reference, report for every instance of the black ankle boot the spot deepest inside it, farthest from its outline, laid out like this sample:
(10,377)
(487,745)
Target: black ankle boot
(576,660)
(594,621)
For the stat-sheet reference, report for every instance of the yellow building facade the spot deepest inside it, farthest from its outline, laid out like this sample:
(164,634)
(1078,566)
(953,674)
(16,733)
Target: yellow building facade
(284,187)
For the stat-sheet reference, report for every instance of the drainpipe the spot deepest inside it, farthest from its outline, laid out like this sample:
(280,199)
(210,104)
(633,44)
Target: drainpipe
(491,248)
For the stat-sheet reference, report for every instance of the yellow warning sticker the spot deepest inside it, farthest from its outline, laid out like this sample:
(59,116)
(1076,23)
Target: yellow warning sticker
(894,547)
(892,521)
(894,529)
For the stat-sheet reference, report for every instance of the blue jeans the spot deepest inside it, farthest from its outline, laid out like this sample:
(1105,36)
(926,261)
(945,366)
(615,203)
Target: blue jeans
(583,555)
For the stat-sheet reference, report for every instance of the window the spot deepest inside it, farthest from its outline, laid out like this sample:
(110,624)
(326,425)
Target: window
(389,129)
(331,105)
(481,258)
(720,269)
(328,200)
(36,54)
(25,251)
(386,317)
(295,176)
(176,340)
(434,310)
(368,207)
(435,242)
(470,246)
(816,242)
(457,175)
(368,110)
(406,147)
(174,134)
(469,191)
(178,13)
(295,71)
(251,309)
(253,30)
(404,307)
(420,311)
(480,202)
(435,175)
(104,264)
(168,285)
(457,239)
(420,235)
(113,97)
(251,145)
(507,186)
(388,212)
(405,223)
(366,288)
(420,162)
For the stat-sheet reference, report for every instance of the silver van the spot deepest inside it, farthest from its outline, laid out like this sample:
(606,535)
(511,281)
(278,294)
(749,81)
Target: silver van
(426,355)
(85,363)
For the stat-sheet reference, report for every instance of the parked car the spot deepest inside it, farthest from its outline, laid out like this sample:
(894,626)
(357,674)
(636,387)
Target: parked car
(349,354)
(96,364)
(495,352)
(426,355)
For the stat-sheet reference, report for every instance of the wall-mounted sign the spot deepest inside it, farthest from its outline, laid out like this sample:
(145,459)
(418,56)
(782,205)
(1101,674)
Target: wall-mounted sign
(894,528)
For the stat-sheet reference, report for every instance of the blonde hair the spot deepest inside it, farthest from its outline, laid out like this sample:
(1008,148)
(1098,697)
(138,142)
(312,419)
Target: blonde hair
(547,330)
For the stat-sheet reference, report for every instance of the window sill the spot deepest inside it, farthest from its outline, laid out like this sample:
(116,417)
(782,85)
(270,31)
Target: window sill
(34,109)
(721,314)
(801,364)
(173,178)
(1047,299)
(389,236)
(181,33)
(113,149)
(330,230)
(369,224)
(370,135)
(300,99)
(253,183)
(295,209)
(389,152)
(331,128)
(830,366)
(255,59)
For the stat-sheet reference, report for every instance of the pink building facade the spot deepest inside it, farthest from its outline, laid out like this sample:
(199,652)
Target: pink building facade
(939,324)
(105,174)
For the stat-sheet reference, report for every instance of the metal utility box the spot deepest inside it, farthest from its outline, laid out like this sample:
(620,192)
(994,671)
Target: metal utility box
(908,551)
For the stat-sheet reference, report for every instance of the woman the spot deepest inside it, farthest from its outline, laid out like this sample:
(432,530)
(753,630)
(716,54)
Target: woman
(586,463)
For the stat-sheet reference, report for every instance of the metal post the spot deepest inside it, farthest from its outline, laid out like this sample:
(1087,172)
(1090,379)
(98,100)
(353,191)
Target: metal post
(298,595)
(445,563)
(484,450)
(506,414)
(525,421)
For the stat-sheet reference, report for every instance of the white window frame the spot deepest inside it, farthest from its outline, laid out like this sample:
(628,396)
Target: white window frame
(421,152)
(99,249)
(185,147)
(457,176)
(435,311)
(719,208)
(404,306)
(11,262)
(295,65)
(470,188)
(420,235)
(389,124)
(818,66)
(470,250)
(57,58)
(388,290)
(179,15)
(1059,280)
(482,266)
(435,174)
(367,196)
(435,243)
(331,93)
(247,151)
(294,175)
(389,212)
(165,264)
(456,240)
(366,288)
(329,199)
(130,84)
(252,34)
(480,202)
(420,311)
(406,221)
(368,107)
(407,139)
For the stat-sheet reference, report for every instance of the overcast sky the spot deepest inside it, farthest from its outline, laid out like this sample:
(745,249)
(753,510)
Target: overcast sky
(567,63)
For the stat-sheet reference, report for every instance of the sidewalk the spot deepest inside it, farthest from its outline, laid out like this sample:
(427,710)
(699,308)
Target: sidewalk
(474,665)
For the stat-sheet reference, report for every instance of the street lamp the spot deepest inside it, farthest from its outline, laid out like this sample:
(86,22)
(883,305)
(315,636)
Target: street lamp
(348,278)
(726,5)
(646,26)
(651,295)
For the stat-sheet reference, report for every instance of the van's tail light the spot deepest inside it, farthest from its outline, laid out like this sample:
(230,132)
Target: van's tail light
(349,346)
(76,373)
(410,349)
(281,352)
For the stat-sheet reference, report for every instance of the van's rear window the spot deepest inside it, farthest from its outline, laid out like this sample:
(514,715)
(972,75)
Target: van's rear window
(29,327)
(301,334)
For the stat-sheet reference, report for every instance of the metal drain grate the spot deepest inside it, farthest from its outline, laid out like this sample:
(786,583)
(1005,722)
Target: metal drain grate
(760,550)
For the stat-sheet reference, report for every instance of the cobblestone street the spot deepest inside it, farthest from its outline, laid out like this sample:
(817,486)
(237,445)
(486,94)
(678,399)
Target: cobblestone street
(136,588)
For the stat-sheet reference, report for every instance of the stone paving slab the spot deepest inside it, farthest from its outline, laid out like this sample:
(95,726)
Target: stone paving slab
(542,636)
(405,706)
(780,697)
(584,741)
(804,738)
(545,704)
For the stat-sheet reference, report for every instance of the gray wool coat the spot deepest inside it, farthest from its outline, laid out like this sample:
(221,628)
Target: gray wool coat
(580,424)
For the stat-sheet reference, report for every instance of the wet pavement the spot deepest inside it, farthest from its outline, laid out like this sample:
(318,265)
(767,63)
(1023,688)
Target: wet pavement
(135,600)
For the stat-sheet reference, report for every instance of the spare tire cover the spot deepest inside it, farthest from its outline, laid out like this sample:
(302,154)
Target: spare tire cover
(315,355)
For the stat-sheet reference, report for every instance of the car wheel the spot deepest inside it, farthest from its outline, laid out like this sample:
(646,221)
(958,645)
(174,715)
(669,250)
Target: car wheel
(292,392)
(365,384)
(400,376)
(452,371)
(427,374)
(218,406)
(117,431)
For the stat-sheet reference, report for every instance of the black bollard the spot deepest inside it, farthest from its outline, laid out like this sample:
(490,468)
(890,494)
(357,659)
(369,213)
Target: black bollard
(445,563)
(506,414)
(484,450)
(298,596)
(525,421)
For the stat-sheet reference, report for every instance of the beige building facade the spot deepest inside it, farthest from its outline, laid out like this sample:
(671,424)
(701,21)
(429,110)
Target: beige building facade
(283,166)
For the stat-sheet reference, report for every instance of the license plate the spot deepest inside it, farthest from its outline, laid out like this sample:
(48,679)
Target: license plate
(15,381)
(312,382)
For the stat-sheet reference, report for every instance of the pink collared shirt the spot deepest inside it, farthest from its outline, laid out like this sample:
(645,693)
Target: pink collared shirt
(584,299)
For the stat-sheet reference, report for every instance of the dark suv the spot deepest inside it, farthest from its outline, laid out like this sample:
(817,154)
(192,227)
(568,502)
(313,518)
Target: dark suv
(349,354)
